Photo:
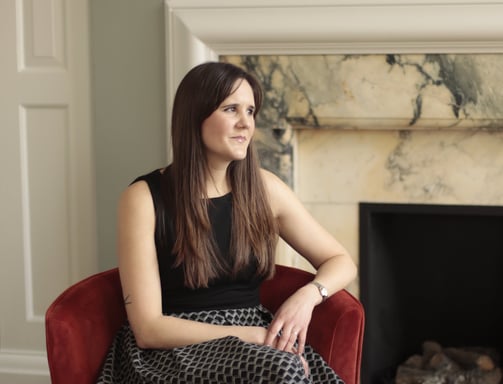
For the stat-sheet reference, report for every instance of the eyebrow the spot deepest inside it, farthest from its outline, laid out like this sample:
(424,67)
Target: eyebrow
(236,104)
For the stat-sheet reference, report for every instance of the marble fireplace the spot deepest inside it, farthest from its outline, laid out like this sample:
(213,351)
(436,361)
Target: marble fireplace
(385,109)
(346,129)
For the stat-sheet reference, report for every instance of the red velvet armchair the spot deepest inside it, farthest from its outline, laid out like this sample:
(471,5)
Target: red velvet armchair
(82,321)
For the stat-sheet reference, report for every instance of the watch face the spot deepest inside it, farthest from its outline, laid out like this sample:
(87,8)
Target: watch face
(322,289)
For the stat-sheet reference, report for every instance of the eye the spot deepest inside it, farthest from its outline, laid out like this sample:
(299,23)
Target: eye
(251,111)
(230,108)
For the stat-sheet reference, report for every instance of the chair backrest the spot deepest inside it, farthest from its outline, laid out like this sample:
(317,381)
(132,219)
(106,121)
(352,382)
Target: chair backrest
(80,325)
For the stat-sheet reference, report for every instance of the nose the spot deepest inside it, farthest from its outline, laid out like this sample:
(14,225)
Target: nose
(245,120)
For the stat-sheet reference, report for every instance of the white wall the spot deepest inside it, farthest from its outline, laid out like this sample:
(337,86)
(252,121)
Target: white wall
(128,93)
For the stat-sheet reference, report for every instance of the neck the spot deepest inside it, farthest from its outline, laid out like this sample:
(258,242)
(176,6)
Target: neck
(217,183)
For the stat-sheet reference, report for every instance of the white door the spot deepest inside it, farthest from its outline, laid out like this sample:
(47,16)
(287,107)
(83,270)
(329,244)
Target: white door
(47,213)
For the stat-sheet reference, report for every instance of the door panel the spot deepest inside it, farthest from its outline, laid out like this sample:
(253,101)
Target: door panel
(47,189)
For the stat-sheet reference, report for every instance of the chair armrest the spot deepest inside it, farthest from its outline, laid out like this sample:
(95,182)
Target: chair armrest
(336,329)
(80,326)
(336,333)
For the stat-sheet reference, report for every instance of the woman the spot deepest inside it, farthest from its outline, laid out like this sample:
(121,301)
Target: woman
(196,239)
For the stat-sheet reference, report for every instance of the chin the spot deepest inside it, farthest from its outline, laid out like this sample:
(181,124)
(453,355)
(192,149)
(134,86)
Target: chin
(239,156)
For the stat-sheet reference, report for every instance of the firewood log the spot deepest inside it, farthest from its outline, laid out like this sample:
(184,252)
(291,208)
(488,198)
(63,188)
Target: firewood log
(440,361)
(415,361)
(470,359)
(407,375)
(477,376)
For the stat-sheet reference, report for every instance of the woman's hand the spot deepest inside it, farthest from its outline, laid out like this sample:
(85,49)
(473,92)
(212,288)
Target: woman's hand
(292,319)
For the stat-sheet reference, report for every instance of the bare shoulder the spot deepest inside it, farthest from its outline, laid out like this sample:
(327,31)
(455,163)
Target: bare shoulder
(138,190)
(271,181)
(136,197)
(280,194)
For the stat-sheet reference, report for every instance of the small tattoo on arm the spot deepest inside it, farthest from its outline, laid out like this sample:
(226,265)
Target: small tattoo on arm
(127,300)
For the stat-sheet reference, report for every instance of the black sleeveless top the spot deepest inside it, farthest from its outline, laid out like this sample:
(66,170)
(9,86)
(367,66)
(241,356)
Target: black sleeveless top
(222,293)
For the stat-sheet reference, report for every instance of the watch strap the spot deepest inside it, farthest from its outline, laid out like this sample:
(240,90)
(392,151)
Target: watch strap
(323,291)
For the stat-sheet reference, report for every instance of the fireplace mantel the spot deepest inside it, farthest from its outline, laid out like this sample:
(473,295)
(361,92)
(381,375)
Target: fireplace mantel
(197,31)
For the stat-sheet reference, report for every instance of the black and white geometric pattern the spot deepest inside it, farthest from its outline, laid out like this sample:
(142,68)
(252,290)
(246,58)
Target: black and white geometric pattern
(224,360)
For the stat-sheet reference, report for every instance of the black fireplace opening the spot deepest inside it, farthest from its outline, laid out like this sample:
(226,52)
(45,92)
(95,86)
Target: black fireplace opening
(428,272)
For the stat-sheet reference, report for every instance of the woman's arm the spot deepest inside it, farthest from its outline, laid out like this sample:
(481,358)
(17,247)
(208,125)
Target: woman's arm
(335,268)
(141,282)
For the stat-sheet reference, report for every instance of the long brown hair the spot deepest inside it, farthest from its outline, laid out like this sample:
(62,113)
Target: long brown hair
(253,231)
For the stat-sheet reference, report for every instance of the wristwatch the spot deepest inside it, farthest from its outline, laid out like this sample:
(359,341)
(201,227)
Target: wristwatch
(322,289)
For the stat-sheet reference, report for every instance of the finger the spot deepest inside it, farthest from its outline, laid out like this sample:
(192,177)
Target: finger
(291,342)
(272,334)
(301,342)
(305,365)
(287,339)
(282,340)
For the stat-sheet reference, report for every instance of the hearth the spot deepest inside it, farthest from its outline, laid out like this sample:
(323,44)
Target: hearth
(428,272)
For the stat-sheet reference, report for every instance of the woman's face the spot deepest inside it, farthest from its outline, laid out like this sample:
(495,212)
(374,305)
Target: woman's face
(227,132)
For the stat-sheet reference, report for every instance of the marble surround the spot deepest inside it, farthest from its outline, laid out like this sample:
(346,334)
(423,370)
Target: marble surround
(343,129)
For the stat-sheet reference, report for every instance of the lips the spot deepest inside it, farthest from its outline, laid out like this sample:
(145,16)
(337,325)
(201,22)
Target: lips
(239,139)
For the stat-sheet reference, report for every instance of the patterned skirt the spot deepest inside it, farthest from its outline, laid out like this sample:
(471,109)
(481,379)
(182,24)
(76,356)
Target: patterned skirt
(224,360)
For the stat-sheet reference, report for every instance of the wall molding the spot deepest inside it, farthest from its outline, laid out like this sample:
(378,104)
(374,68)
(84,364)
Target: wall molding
(24,363)
(342,28)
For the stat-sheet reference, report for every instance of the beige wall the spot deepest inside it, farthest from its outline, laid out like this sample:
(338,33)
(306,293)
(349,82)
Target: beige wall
(128,93)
